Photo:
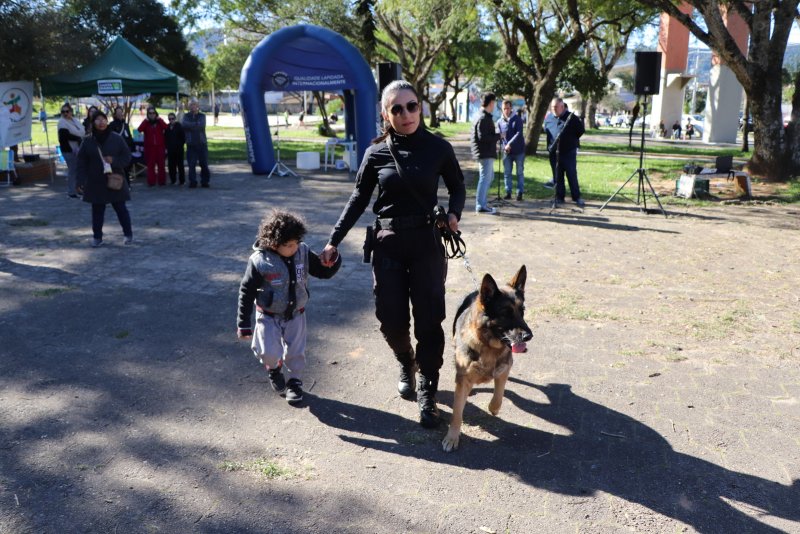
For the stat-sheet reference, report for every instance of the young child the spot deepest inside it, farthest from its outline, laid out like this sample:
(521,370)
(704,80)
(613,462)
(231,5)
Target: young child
(276,280)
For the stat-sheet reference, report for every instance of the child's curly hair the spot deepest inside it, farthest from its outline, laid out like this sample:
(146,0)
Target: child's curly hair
(278,228)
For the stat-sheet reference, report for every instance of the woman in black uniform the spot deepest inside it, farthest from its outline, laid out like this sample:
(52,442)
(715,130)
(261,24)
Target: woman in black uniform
(408,260)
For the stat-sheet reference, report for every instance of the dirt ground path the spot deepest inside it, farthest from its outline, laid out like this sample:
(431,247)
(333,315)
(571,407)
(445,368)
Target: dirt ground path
(661,392)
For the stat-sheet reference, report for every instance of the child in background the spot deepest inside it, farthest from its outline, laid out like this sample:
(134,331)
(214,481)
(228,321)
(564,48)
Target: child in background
(276,281)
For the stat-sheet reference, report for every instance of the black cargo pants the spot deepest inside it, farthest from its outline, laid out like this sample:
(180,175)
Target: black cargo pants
(409,265)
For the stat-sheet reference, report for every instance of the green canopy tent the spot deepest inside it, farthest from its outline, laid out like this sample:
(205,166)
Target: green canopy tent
(122,69)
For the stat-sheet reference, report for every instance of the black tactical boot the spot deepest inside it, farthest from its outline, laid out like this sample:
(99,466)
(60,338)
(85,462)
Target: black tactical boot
(426,397)
(408,367)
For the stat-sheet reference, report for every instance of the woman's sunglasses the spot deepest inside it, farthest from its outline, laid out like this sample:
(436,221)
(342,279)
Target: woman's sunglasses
(65,111)
(410,107)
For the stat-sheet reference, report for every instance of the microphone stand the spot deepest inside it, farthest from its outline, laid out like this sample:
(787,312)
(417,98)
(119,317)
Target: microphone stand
(499,201)
(279,168)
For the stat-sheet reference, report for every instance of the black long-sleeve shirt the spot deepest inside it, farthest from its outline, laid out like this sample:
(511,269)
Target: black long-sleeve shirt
(424,157)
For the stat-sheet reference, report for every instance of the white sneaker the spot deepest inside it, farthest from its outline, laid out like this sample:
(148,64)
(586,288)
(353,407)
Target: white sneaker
(128,241)
(489,211)
(96,243)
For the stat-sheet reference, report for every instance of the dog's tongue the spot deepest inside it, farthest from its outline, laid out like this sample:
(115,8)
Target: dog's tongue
(519,347)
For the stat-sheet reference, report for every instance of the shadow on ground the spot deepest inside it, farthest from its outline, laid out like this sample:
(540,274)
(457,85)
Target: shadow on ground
(604,451)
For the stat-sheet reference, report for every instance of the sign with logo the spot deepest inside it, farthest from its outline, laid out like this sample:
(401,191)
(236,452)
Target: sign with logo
(16,112)
(109,87)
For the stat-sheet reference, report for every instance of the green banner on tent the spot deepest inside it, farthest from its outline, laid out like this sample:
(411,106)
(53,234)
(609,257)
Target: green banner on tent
(109,87)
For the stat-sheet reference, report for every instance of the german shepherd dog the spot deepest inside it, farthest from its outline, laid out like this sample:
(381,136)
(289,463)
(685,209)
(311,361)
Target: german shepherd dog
(489,327)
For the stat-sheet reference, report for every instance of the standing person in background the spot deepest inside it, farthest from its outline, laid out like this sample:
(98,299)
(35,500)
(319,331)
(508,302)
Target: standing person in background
(570,129)
(513,139)
(406,164)
(216,114)
(483,142)
(43,118)
(87,122)
(175,139)
(153,128)
(70,135)
(121,127)
(194,127)
(118,125)
(100,154)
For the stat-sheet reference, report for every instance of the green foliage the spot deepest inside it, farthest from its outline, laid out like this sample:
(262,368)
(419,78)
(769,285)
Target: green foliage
(223,68)
(144,23)
(39,39)
(262,17)
(334,106)
(626,77)
(417,33)
(508,79)
(581,75)
(365,15)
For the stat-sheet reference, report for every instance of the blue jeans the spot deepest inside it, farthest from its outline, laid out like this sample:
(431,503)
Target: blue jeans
(72,172)
(485,177)
(193,155)
(567,164)
(519,161)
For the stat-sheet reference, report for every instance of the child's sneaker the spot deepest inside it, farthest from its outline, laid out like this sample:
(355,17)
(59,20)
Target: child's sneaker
(276,380)
(294,390)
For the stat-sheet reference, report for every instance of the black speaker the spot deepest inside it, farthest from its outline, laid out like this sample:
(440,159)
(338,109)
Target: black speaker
(387,73)
(647,75)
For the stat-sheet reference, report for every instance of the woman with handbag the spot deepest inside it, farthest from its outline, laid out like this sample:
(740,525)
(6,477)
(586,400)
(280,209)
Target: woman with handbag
(102,159)
(409,262)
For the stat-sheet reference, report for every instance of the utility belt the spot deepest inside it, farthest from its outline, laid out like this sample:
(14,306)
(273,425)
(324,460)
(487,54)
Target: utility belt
(403,222)
(272,314)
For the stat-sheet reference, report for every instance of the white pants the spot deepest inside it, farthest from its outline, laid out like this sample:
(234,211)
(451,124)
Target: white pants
(277,340)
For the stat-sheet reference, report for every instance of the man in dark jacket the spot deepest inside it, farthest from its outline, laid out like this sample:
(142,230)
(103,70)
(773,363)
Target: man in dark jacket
(175,138)
(194,128)
(565,147)
(513,140)
(484,148)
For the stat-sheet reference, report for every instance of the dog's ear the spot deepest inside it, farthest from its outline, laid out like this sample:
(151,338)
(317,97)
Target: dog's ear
(488,288)
(518,282)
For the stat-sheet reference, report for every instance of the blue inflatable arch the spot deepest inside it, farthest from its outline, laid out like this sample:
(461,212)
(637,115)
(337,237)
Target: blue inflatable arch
(305,58)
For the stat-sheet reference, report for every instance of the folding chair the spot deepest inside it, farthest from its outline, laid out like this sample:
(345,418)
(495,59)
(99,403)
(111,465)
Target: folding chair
(7,166)
(724,165)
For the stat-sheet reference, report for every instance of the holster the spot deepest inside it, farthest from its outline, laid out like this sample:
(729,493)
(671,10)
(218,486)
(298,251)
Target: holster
(369,244)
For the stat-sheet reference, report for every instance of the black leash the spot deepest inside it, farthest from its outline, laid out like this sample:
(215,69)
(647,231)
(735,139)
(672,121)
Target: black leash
(454,246)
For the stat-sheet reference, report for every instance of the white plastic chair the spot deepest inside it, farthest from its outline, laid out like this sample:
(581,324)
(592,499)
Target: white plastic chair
(7,166)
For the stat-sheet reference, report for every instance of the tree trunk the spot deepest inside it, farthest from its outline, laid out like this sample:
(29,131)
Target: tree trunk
(592,113)
(543,91)
(768,142)
(434,107)
(325,127)
(746,126)
(584,115)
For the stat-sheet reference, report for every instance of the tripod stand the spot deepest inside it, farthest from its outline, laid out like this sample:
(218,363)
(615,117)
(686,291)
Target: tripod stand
(279,168)
(498,200)
(641,173)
